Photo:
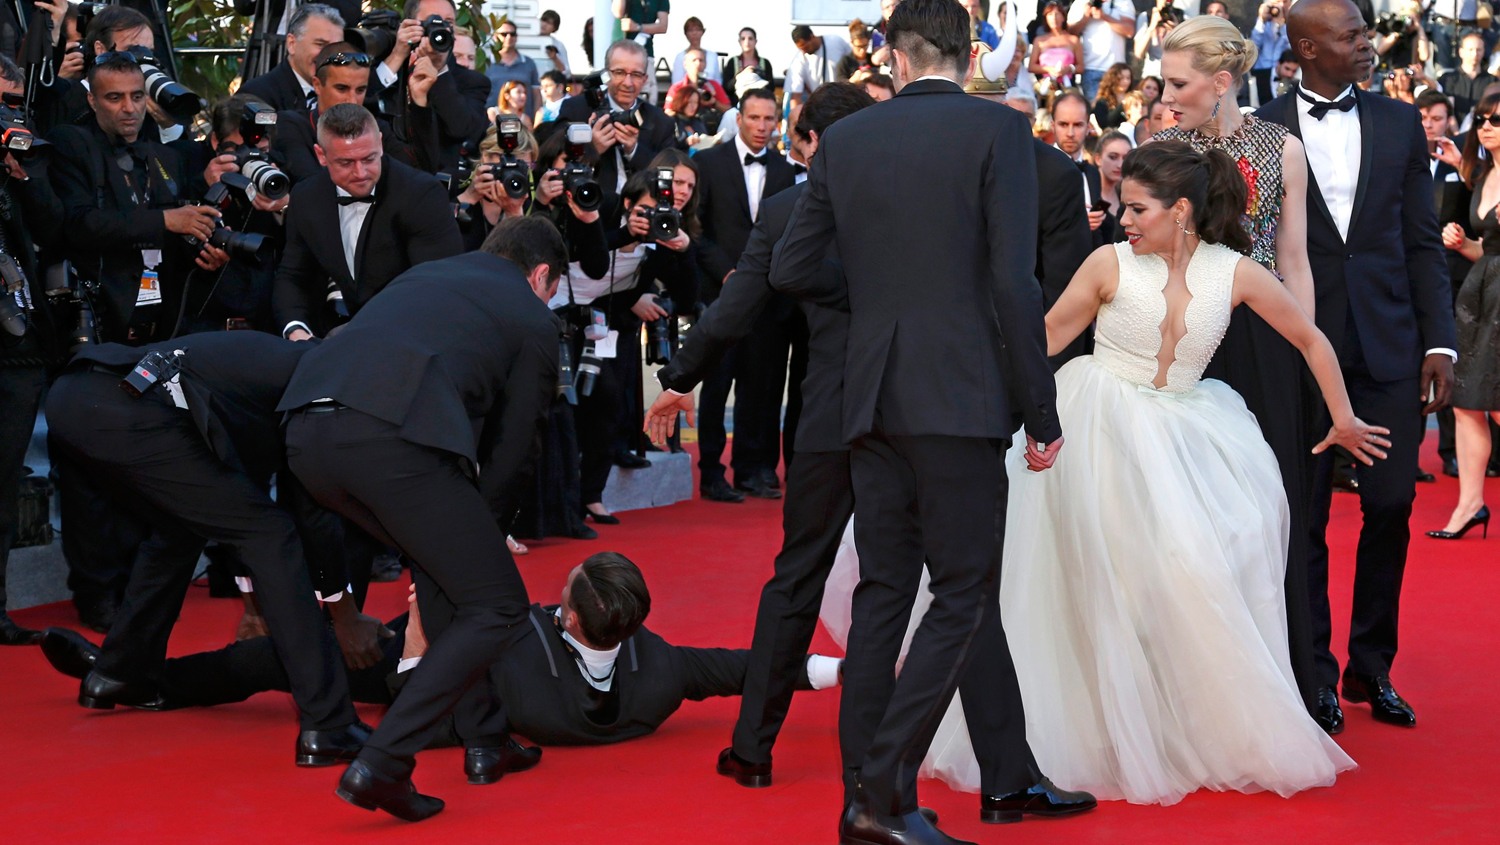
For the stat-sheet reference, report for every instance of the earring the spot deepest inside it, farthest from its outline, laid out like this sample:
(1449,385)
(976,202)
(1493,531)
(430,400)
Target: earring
(1217,103)
(1184,228)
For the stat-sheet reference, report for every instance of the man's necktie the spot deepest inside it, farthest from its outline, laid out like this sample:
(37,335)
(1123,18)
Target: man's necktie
(1320,108)
(312,100)
(755,159)
(353,200)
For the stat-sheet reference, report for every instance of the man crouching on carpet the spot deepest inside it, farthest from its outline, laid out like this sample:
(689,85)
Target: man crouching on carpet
(623,681)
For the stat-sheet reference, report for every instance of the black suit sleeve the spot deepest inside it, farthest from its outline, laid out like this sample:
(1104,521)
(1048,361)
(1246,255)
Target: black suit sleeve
(1064,239)
(510,434)
(707,672)
(797,261)
(1426,264)
(712,258)
(299,276)
(457,120)
(431,232)
(586,244)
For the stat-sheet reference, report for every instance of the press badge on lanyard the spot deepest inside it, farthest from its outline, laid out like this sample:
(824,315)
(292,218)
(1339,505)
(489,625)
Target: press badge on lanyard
(150,292)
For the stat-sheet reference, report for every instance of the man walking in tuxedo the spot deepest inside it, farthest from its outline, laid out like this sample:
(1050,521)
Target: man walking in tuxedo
(417,421)
(1384,301)
(932,393)
(820,499)
(289,85)
(355,226)
(735,182)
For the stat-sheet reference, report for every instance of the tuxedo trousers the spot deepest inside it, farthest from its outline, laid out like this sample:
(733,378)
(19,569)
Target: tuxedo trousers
(152,461)
(941,499)
(474,606)
(20,395)
(1386,492)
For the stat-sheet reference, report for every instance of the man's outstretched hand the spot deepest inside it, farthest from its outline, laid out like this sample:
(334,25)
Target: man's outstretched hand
(661,419)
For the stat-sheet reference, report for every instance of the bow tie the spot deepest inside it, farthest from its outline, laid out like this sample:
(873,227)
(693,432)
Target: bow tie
(353,200)
(1320,108)
(756,159)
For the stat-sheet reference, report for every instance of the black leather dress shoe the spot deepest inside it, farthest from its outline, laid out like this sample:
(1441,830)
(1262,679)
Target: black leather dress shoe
(101,692)
(861,827)
(330,747)
(487,765)
(1385,704)
(757,487)
(68,652)
(718,490)
(367,789)
(630,460)
(1425,477)
(770,479)
(1450,467)
(97,613)
(1329,715)
(752,775)
(1044,799)
(13,634)
(1345,482)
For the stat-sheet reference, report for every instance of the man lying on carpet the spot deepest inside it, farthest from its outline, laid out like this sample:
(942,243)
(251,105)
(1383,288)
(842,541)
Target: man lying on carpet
(628,679)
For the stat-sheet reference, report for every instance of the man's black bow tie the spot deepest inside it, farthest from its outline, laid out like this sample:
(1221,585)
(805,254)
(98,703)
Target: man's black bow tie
(1320,108)
(754,159)
(353,200)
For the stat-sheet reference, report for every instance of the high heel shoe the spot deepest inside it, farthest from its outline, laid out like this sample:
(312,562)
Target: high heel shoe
(1481,518)
(601,518)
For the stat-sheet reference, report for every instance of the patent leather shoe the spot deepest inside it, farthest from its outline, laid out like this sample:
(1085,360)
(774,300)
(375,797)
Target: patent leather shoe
(487,765)
(1386,705)
(859,826)
(751,775)
(101,692)
(1480,518)
(368,789)
(69,652)
(601,518)
(756,486)
(718,490)
(1044,799)
(13,634)
(1329,715)
(330,747)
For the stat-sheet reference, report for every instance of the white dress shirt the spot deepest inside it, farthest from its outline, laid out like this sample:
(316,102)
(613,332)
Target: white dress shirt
(596,666)
(808,71)
(1333,154)
(755,174)
(351,223)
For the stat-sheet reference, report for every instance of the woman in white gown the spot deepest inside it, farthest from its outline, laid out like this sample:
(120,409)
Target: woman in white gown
(1142,583)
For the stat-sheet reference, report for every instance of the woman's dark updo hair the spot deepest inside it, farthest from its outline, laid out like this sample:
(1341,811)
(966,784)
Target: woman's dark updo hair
(1171,170)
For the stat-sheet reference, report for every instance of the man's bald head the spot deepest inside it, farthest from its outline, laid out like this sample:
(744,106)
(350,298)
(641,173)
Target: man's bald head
(1331,39)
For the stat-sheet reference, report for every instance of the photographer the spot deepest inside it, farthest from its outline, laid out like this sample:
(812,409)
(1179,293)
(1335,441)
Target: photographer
(1105,26)
(1164,18)
(63,99)
(488,200)
(31,344)
(583,231)
(1400,40)
(342,75)
(628,130)
(289,86)
(353,227)
(1467,84)
(697,80)
(1269,35)
(606,317)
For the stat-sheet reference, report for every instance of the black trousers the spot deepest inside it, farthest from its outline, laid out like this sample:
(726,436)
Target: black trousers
(761,374)
(1386,492)
(474,605)
(941,499)
(152,461)
(20,394)
(712,399)
(601,415)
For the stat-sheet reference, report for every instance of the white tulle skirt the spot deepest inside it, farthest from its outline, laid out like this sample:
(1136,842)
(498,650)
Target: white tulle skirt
(1143,602)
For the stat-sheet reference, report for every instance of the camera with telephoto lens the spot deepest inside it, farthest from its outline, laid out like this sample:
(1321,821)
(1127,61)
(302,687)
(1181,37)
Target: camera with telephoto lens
(245,246)
(375,34)
(155,368)
(588,371)
(15,136)
(1390,23)
(259,171)
(578,178)
(66,296)
(511,172)
(665,220)
(255,123)
(438,33)
(173,97)
(663,340)
(12,282)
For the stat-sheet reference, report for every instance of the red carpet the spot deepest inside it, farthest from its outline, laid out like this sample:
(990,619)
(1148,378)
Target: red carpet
(226,775)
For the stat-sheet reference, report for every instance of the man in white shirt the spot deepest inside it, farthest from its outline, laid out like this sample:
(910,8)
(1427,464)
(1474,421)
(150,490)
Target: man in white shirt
(816,63)
(1105,27)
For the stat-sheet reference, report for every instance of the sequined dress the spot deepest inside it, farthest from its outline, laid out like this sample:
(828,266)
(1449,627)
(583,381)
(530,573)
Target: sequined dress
(1267,371)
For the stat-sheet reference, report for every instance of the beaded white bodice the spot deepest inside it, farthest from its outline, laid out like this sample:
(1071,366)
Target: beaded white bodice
(1128,335)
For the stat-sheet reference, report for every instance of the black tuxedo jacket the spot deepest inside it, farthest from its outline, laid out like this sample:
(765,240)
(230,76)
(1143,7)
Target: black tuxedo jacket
(1063,236)
(724,208)
(233,382)
(297,132)
(459,353)
(108,230)
(733,315)
(657,133)
(937,230)
(1451,197)
(278,88)
(410,222)
(1390,275)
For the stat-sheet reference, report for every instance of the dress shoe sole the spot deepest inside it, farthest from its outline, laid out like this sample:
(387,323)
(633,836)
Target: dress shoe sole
(320,761)
(748,780)
(93,703)
(355,799)
(485,780)
(1013,816)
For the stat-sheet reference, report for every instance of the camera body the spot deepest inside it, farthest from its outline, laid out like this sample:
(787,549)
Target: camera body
(597,97)
(1171,14)
(663,343)
(243,246)
(511,172)
(375,34)
(153,369)
(578,178)
(666,220)
(173,97)
(15,136)
(438,33)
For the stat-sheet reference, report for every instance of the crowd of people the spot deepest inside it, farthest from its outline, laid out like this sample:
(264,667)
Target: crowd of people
(518,243)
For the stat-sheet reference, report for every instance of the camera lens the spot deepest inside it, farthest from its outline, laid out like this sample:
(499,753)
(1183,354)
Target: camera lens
(267,178)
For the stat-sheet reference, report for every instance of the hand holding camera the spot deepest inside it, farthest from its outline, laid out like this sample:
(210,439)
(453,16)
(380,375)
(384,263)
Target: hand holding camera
(606,133)
(192,221)
(647,308)
(72,66)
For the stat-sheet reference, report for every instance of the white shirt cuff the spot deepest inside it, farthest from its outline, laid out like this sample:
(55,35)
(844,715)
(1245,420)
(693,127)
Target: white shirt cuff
(293,326)
(1451,353)
(333,597)
(386,76)
(823,671)
(245,584)
(407,664)
(673,393)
